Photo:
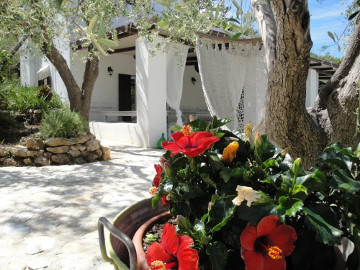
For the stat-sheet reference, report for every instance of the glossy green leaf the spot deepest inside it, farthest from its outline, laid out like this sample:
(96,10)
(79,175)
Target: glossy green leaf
(206,178)
(218,255)
(221,211)
(324,231)
(345,182)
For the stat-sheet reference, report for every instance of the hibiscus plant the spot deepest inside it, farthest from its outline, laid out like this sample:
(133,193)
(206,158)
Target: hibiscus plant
(246,205)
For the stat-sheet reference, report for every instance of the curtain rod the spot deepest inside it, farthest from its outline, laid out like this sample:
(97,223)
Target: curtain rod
(228,39)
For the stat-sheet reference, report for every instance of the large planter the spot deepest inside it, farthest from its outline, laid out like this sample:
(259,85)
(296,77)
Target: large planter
(116,246)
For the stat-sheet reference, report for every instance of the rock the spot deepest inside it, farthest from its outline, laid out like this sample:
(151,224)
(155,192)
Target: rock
(85,154)
(19,152)
(80,147)
(4,152)
(27,161)
(58,149)
(48,155)
(34,144)
(74,153)
(92,157)
(2,159)
(80,160)
(59,142)
(84,138)
(92,145)
(105,153)
(61,159)
(11,162)
(98,152)
(42,161)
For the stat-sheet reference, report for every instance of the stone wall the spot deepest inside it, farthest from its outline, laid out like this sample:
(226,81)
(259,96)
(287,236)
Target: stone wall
(54,151)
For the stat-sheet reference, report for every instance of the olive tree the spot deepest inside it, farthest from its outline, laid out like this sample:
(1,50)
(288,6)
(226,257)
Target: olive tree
(285,31)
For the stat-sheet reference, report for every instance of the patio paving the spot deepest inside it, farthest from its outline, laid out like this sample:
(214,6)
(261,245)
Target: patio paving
(49,214)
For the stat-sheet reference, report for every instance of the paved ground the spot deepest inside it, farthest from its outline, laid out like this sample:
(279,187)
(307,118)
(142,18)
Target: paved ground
(48,215)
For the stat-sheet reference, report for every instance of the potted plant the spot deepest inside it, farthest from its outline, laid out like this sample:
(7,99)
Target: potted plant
(241,204)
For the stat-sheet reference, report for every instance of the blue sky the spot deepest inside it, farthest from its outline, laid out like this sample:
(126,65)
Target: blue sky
(326,16)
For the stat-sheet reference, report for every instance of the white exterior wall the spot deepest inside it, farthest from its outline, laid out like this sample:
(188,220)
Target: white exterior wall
(193,95)
(312,87)
(29,65)
(105,96)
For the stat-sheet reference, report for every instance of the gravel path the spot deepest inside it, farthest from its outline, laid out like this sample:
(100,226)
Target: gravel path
(49,214)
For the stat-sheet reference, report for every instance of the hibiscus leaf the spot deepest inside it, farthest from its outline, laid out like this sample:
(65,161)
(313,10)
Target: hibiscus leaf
(254,213)
(318,219)
(206,178)
(221,211)
(226,173)
(218,255)
(288,207)
(345,182)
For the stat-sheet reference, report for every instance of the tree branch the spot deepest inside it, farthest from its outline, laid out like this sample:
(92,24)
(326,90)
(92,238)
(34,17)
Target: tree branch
(267,27)
(351,53)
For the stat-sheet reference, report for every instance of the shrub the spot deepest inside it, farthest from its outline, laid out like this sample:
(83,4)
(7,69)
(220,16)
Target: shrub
(63,123)
(21,98)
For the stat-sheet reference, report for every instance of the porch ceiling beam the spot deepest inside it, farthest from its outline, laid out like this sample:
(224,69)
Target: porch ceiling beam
(121,50)
(315,64)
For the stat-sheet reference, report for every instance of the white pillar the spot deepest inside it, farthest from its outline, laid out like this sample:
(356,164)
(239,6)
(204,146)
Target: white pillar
(150,92)
(312,87)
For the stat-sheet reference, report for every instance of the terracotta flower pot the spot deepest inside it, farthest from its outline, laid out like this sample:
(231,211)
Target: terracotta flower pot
(117,245)
(139,235)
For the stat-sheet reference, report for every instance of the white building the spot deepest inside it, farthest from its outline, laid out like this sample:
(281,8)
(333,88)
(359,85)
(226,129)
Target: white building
(120,113)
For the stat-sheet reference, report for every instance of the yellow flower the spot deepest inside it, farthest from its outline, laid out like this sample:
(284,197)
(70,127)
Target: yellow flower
(248,130)
(229,152)
(247,194)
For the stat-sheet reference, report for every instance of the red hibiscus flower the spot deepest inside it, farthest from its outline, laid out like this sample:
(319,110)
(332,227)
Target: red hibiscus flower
(157,180)
(172,252)
(157,177)
(191,145)
(265,247)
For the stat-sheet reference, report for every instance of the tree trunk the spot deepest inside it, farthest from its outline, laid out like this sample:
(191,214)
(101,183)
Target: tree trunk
(287,121)
(79,99)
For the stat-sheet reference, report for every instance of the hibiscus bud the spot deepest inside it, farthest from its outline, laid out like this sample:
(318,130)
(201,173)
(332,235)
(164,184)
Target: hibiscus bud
(162,161)
(258,139)
(191,118)
(296,167)
(229,152)
(167,168)
(284,152)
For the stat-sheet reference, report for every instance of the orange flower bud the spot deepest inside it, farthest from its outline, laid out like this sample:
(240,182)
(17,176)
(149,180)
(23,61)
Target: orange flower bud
(258,139)
(229,152)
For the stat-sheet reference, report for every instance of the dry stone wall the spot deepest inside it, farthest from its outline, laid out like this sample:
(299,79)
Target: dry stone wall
(54,151)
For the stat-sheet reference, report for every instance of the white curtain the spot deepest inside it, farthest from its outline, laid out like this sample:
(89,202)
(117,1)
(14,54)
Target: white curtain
(224,70)
(175,67)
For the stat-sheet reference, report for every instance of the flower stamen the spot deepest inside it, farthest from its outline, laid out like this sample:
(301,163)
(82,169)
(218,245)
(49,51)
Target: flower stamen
(274,252)
(157,265)
(186,130)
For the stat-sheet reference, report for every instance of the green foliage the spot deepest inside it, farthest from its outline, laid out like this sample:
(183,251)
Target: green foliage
(327,57)
(15,97)
(63,123)
(7,66)
(320,204)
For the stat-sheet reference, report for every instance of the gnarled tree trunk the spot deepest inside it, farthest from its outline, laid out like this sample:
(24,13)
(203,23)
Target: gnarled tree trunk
(80,98)
(284,26)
